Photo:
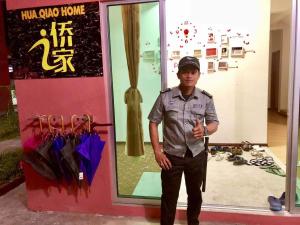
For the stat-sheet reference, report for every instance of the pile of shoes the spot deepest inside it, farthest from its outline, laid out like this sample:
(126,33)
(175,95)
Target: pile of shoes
(237,160)
(233,154)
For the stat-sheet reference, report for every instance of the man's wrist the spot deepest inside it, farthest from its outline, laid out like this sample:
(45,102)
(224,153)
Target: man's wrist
(158,151)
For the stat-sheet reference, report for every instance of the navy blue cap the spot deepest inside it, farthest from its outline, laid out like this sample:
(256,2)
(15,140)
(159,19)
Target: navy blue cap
(188,60)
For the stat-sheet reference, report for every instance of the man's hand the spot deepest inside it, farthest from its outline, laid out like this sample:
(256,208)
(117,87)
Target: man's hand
(162,160)
(198,130)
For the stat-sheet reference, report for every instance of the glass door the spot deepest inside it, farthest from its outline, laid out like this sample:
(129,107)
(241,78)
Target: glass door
(134,42)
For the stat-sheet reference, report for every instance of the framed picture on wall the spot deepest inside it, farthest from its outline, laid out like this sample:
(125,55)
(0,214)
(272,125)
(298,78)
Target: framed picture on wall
(224,39)
(210,37)
(175,54)
(211,52)
(211,67)
(149,55)
(197,53)
(237,52)
(223,65)
(224,52)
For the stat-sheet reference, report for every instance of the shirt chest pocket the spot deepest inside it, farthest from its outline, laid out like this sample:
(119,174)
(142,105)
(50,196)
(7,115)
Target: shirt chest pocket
(197,113)
(172,112)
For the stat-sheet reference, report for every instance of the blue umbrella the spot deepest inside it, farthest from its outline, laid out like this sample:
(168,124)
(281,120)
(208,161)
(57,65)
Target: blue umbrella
(55,155)
(90,151)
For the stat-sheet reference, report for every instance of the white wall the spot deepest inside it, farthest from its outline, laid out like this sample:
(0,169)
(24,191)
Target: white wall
(240,95)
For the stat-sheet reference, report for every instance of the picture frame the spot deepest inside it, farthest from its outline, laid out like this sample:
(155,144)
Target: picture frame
(211,52)
(224,39)
(149,55)
(224,52)
(197,53)
(237,52)
(211,66)
(175,54)
(223,65)
(210,37)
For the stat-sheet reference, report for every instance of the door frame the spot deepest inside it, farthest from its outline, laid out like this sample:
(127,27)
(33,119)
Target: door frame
(293,105)
(293,119)
(107,70)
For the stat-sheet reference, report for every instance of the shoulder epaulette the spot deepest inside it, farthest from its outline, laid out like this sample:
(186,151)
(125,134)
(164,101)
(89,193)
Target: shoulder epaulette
(206,93)
(166,90)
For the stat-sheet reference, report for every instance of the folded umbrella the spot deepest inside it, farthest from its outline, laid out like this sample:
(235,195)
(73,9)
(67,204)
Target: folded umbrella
(90,152)
(55,155)
(70,161)
(40,160)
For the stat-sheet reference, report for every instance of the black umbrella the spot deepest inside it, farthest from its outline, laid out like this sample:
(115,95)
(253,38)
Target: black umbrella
(69,160)
(40,160)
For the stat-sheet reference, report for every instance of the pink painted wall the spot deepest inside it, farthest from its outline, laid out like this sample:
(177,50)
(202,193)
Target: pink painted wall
(65,97)
(91,95)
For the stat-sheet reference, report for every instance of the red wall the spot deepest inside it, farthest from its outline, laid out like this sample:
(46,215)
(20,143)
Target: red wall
(65,97)
(90,95)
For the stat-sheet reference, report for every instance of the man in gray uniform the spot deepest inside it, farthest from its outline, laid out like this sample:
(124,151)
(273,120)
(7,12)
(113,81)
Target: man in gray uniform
(188,114)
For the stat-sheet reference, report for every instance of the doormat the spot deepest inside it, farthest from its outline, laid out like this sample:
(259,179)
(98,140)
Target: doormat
(149,185)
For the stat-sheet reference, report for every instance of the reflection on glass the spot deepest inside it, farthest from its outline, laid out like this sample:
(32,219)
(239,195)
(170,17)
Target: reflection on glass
(135,62)
(247,109)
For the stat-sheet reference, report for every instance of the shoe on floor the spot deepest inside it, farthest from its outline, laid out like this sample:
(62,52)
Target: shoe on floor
(275,204)
(282,198)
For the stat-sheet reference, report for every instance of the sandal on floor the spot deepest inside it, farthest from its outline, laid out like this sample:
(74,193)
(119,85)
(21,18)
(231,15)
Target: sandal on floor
(275,204)
(240,161)
(264,162)
(246,146)
(276,170)
(231,158)
(214,150)
(256,153)
(219,156)
(282,198)
(226,149)
(236,151)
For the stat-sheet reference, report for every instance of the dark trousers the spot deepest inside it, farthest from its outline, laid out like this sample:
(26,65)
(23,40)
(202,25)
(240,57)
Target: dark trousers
(171,179)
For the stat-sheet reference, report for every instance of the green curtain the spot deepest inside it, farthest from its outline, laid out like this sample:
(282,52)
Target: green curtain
(133,97)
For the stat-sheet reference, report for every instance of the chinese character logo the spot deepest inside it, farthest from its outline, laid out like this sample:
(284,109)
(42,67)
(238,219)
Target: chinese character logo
(62,53)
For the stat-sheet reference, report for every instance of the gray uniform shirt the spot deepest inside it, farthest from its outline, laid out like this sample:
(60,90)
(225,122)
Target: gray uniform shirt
(179,118)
